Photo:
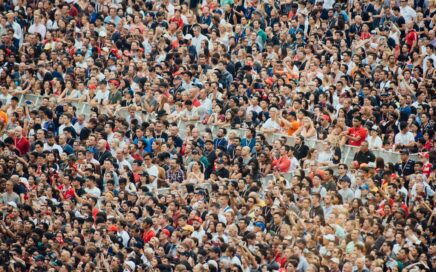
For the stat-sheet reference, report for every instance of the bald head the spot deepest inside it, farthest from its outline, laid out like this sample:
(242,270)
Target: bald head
(101,145)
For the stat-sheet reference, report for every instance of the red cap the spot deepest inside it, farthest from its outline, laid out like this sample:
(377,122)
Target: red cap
(115,82)
(424,155)
(198,219)
(326,117)
(166,232)
(112,228)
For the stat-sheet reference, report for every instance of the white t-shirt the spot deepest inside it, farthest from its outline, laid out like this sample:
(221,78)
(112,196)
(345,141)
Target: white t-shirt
(374,142)
(41,29)
(47,147)
(271,124)
(102,96)
(153,171)
(93,191)
(404,139)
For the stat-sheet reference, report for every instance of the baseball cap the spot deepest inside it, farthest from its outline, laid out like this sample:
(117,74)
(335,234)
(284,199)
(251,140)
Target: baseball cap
(188,228)
(130,264)
(424,155)
(334,260)
(364,187)
(198,219)
(112,228)
(215,249)
(166,232)
(404,152)
(13,204)
(260,225)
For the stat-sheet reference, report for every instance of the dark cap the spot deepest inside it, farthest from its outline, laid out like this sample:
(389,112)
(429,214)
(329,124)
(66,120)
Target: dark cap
(345,179)
(215,249)
(404,152)
(220,161)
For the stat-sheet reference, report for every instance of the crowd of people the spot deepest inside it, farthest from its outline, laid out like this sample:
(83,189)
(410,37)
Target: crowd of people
(173,135)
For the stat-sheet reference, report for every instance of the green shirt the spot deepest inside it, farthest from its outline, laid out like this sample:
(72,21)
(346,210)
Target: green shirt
(223,3)
(114,98)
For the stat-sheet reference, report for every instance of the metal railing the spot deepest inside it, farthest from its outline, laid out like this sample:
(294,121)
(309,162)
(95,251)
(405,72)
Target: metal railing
(347,151)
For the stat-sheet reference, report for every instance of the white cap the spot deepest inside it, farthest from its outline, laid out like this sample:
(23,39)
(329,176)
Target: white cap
(130,264)
(25,182)
(188,36)
(13,204)
(213,263)
(329,237)
(334,260)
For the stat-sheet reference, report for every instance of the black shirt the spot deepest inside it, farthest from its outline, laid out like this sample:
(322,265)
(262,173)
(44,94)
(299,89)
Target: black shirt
(223,173)
(301,151)
(405,168)
(364,157)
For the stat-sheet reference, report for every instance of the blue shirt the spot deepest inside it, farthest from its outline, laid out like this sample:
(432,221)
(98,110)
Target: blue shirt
(249,142)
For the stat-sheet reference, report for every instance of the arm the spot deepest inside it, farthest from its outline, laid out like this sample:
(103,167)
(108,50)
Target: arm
(78,198)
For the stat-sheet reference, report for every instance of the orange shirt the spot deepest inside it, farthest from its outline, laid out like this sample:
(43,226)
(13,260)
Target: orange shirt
(3,117)
(295,125)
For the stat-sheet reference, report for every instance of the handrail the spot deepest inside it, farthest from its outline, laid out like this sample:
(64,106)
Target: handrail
(348,151)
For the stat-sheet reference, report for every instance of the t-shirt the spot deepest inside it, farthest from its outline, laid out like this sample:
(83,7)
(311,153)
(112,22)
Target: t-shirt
(22,145)
(5,198)
(271,124)
(354,132)
(3,117)
(295,125)
(93,191)
(404,138)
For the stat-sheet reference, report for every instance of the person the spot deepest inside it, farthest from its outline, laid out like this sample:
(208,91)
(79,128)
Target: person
(272,124)
(175,136)
(345,191)
(373,139)
(174,174)
(21,142)
(356,134)
(405,167)
(282,163)
(405,138)
(9,196)
(301,149)
(364,155)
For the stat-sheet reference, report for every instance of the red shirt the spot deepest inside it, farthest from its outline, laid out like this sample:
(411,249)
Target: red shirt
(283,163)
(148,235)
(22,145)
(67,193)
(426,169)
(73,11)
(355,132)
(411,37)
(178,21)
(365,36)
